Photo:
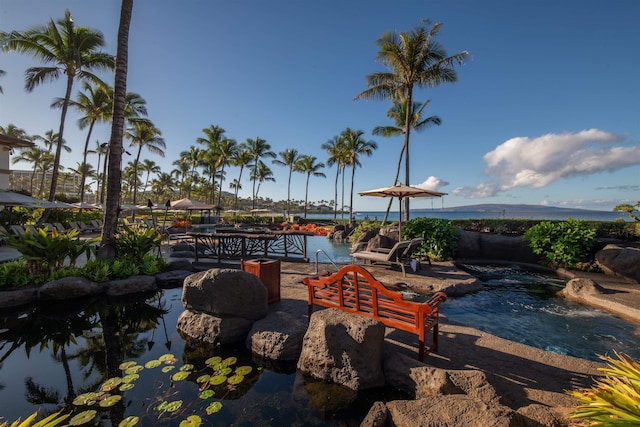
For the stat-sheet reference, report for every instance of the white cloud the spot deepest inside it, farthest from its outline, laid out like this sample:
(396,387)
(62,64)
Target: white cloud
(482,191)
(432,183)
(537,162)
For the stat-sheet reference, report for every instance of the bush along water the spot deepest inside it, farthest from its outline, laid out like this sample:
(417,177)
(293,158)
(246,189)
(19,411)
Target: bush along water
(562,244)
(440,237)
(51,256)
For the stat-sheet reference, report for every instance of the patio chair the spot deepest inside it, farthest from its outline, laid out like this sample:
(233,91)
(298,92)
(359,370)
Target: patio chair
(399,255)
(96,224)
(17,230)
(59,227)
(4,235)
(81,227)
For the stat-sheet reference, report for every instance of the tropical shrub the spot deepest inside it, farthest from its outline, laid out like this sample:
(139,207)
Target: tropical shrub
(14,274)
(562,244)
(440,237)
(363,227)
(133,243)
(615,399)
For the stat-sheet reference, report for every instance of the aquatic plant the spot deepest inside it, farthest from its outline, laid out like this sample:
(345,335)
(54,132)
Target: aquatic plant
(50,421)
(615,399)
(214,380)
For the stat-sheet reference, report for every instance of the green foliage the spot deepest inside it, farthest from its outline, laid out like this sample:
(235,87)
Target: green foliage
(562,244)
(50,421)
(630,210)
(133,243)
(615,399)
(440,237)
(47,252)
(96,270)
(14,274)
(363,227)
(123,268)
(153,265)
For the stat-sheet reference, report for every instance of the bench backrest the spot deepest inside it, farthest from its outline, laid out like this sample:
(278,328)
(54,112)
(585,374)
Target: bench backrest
(354,289)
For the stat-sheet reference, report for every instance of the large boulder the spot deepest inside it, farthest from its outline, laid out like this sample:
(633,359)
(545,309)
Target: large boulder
(277,337)
(623,261)
(451,411)
(473,245)
(226,293)
(420,380)
(130,285)
(208,329)
(69,287)
(343,348)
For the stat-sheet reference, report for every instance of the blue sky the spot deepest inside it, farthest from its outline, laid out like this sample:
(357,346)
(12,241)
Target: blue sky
(545,110)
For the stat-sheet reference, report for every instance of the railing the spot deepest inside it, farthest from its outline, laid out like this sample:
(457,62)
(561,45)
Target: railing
(318,251)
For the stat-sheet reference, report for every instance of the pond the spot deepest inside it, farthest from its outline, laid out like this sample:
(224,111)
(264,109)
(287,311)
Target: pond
(53,355)
(523,306)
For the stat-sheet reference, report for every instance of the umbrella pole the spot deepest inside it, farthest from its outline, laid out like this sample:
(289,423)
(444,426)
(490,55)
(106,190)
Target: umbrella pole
(400,219)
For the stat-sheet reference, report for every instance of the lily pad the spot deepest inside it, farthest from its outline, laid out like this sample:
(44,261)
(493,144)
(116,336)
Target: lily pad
(213,360)
(244,370)
(110,401)
(86,399)
(225,371)
(191,421)
(152,364)
(130,378)
(217,379)
(126,365)
(179,376)
(173,406)
(111,384)
(126,386)
(167,369)
(235,379)
(206,394)
(165,357)
(82,418)
(134,369)
(203,378)
(129,421)
(186,367)
(214,407)
(230,361)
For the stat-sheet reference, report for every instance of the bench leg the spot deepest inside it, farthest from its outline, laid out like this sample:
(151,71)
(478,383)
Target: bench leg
(421,350)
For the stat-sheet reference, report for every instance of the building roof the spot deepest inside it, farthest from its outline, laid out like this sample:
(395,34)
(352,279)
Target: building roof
(12,141)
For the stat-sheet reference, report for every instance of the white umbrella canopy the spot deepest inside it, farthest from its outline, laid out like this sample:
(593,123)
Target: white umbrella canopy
(84,205)
(186,204)
(401,191)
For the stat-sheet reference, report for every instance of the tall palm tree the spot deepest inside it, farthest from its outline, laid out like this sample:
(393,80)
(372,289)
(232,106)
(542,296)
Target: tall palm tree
(50,139)
(101,149)
(2,73)
(337,156)
(13,130)
(107,248)
(163,186)
(261,173)
(46,165)
(192,159)
(398,113)
(144,134)
(148,166)
(288,158)
(66,49)
(414,59)
(258,148)
(241,159)
(225,150)
(181,174)
(213,136)
(95,105)
(307,164)
(34,156)
(355,146)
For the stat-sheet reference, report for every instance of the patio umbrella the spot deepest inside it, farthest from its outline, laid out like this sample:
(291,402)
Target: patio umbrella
(84,205)
(186,204)
(401,191)
(9,198)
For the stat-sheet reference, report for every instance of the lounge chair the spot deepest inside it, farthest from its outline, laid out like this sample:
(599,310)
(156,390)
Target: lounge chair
(81,227)
(4,235)
(59,227)
(399,255)
(96,224)
(17,230)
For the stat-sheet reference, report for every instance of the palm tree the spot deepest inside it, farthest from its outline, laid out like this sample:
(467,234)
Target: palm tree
(225,150)
(242,158)
(148,166)
(213,136)
(34,156)
(258,148)
(144,134)
(13,130)
(95,104)
(2,73)
(398,113)
(337,156)
(65,48)
(101,149)
(50,139)
(107,248)
(163,186)
(288,158)
(261,173)
(355,147)
(415,59)
(191,160)
(307,164)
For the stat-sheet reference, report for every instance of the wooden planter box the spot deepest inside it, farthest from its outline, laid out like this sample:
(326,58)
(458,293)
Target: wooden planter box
(268,271)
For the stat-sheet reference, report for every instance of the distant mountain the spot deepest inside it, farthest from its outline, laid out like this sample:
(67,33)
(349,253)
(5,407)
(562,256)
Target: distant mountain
(508,208)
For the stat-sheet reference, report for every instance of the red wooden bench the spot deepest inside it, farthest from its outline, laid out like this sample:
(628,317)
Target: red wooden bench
(354,290)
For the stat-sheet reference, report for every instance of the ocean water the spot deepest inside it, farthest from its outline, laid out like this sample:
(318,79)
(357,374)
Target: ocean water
(500,214)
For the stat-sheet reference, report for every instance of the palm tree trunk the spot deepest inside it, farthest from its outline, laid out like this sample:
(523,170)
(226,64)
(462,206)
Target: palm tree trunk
(342,208)
(335,194)
(386,214)
(407,130)
(353,175)
(289,189)
(107,249)
(221,180)
(306,195)
(135,182)
(84,161)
